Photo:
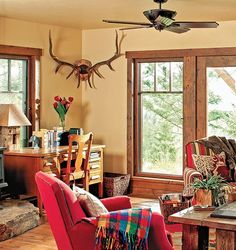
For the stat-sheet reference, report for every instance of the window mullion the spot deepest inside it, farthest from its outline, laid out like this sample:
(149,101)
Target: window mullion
(155,77)
(170,80)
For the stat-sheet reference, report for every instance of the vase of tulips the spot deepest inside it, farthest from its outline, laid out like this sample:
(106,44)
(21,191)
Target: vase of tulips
(61,105)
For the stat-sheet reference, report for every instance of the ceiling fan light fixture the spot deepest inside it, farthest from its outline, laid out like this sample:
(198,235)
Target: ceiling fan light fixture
(162,19)
(152,15)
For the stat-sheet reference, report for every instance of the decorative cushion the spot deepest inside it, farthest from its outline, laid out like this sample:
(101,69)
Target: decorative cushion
(198,149)
(91,205)
(212,164)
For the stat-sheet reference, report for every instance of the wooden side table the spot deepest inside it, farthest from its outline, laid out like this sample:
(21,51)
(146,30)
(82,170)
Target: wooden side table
(196,226)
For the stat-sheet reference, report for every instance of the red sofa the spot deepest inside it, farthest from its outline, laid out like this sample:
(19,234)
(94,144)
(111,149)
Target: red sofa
(71,228)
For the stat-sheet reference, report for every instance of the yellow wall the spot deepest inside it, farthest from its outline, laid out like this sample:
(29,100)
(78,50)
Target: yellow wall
(105,108)
(67,45)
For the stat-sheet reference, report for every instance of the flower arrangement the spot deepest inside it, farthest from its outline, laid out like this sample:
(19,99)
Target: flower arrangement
(61,105)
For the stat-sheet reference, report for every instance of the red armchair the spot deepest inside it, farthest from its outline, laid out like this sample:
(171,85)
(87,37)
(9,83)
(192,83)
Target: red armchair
(71,228)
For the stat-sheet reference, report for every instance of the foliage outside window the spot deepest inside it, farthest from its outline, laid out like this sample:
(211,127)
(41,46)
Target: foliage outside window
(160,114)
(221,101)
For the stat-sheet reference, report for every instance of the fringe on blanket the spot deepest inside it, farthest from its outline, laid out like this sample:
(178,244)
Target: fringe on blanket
(113,236)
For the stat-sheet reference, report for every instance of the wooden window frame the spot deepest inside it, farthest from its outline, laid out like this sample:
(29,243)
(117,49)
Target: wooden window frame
(190,57)
(32,55)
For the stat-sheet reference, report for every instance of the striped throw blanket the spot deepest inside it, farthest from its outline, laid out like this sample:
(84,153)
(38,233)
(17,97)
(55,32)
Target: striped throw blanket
(123,230)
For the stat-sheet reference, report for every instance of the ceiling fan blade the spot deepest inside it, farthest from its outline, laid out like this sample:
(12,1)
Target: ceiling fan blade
(137,27)
(197,24)
(127,22)
(176,29)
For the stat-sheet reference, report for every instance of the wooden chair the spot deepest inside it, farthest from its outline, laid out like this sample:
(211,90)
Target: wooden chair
(80,167)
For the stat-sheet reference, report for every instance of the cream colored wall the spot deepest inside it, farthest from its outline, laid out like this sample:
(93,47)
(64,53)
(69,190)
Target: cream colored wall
(105,108)
(67,45)
(102,110)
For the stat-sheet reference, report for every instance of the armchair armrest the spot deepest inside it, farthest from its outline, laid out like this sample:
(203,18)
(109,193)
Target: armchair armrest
(190,174)
(116,203)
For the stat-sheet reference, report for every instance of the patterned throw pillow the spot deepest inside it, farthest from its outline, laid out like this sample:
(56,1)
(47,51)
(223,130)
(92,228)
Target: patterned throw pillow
(214,165)
(91,205)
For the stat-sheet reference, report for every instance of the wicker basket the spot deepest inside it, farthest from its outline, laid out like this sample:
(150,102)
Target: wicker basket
(115,184)
(171,207)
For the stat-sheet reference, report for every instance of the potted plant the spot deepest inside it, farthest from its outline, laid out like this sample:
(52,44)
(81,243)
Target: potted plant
(208,190)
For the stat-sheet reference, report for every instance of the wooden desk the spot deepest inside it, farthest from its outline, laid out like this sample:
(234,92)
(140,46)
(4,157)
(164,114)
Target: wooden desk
(21,166)
(196,226)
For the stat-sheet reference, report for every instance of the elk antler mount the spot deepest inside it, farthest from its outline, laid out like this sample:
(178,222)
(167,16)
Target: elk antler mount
(83,69)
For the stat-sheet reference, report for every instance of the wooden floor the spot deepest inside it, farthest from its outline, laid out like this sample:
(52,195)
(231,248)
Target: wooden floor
(40,238)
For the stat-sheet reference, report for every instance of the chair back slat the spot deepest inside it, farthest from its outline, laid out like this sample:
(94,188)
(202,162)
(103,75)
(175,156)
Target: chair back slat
(81,165)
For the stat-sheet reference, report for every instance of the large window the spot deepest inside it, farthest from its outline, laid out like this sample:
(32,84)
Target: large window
(19,83)
(175,97)
(161,110)
(221,96)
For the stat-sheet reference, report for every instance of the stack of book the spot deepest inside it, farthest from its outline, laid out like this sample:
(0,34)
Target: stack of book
(48,138)
(94,156)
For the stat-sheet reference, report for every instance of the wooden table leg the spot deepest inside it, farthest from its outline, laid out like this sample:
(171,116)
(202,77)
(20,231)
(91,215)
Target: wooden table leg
(225,240)
(100,190)
(195,237)
(190,237)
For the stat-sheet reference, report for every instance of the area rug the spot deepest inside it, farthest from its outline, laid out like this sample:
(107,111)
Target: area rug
(17,217)
(176,232)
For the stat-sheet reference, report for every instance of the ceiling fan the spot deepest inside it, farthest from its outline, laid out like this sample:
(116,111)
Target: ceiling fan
(162,19)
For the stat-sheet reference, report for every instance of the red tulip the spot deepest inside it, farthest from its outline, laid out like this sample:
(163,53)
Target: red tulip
(71,99)
(55,104)
(57,98)
(63,102)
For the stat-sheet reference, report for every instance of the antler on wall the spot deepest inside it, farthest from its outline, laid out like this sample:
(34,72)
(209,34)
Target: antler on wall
(84,69)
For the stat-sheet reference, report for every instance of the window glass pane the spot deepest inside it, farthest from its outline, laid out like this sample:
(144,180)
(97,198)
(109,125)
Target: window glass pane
(177,76)
(13,98)
(161,123)
(18,75)
(221,85)
(147,76)
(13,90)
(161,133)
(3,75)
(163,76)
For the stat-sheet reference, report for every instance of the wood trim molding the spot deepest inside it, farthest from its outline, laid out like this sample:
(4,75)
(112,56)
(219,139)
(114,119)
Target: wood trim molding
(201,98)
(130,65)
(182,53)
(189,96)
(21,51)
(154,187)
(32,55)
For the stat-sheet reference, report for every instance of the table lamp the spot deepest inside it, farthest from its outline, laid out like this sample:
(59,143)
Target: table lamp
(11,119)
